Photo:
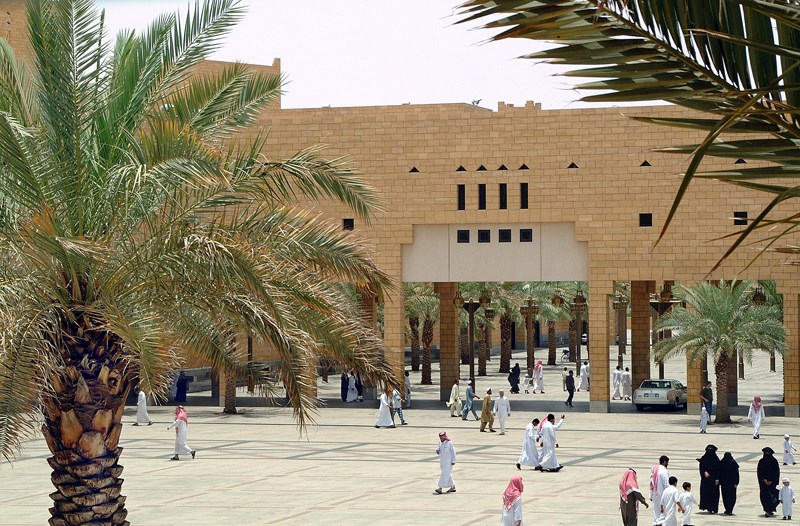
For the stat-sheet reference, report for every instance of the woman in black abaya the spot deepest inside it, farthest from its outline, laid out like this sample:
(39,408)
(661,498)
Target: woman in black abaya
(513,378)
(728,480)
(709,480)
(769,476)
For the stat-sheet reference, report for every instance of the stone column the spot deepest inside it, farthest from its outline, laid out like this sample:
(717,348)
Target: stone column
(449,359)
(600,391)
(369,313)
(640,330)
(791,362)
(394,323)
(694,382)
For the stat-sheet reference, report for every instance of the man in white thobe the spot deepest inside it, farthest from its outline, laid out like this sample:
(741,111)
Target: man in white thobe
(455,400)
(659,481)
(530,453)
(447,459)
(502,408)
(616,382)
(626,384)
(547,433)
(584,377)
(141,410)
(408,390)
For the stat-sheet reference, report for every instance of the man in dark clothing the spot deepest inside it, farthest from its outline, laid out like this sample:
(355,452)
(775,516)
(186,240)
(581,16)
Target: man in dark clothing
(570,383)
(769,476)
(707,397)
(709,480)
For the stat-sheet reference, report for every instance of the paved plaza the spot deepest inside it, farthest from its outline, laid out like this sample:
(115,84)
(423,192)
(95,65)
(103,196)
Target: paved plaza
(255,468)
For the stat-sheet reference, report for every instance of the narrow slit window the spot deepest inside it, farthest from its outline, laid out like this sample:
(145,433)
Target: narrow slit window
(503,196)
(481,197)
(523,196)
(462,197)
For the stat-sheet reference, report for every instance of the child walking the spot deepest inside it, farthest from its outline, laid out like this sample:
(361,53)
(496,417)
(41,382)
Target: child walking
(788,451)
(786,498)
(669,503)
(686,502)
(703,419)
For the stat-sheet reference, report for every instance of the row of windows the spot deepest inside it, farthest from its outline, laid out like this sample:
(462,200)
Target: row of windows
(503,235)
(523,196)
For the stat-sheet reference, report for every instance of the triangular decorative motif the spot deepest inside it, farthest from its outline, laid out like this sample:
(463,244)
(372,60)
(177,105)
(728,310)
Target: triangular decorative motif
(413,170)
(502,167)
(461,169)
(481,168)
(572,165)
(645,164)
(523,167)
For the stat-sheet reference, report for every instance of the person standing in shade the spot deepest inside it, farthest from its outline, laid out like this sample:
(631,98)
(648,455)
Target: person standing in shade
(786,498)
(769,473)
(344,386)
(513,379)
(627,392)
(181,387)
(530,454)
(570,382)
(538,377)
(502,408)
(629,498)
(547,431)
(707,398)
(709,480)
(512,503)
(659,481)
(728,480)
(564,379)
(455,399)
(584,377)
(486,413)
(788,451)
(181,425)
(447,459)
(352,392)
(359,388)
(616,382)
(141,410)
(397,406)
(469,402)
(703,419)
(756,415)
(408,390)
(384,412)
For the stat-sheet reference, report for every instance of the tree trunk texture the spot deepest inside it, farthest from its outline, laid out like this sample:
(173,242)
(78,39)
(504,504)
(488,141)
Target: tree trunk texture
(427,359)
(482,351)
(505,343)
(413,323)
(230,392)
(721,370)
(463,344)
(551,342)
(82,426)
(573,339)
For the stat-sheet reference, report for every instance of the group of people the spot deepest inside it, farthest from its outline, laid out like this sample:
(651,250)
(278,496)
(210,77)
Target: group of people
(544,433)
(352,388)
(621,382)
(534,379)
(391,404)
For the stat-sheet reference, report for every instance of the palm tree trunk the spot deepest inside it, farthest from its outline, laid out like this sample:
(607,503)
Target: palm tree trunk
(230,391)
(573,338)
(427,339)
(82,426)
(463,344)
(505,343)
(721,370)
(551,342)
(413,324)
(482,351)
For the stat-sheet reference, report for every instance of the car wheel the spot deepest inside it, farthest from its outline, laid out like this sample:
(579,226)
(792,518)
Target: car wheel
(639,407)
(675,405)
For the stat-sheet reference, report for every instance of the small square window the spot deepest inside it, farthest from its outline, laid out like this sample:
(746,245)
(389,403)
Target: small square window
(645,219)
(526,235)
(348,224)
(740,218)
(484,236)
(504,235)
(462,236)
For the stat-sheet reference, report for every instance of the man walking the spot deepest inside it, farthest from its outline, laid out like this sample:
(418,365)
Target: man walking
(584,377)
(468,402)
(455,399)
(659,481)
(408,390)
(502,408)
(486,413)
(548,460)
(570,383)
(707,397)
(447,459)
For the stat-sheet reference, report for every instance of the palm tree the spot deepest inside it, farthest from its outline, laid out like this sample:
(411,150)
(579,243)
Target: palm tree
(136,226)
(735,61)
(721,320)
(430,315)
(418,299)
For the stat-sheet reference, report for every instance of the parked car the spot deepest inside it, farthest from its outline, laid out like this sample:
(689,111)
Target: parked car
(653,392)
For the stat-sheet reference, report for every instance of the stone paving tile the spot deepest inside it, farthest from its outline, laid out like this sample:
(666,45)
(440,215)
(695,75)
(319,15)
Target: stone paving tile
(256,468)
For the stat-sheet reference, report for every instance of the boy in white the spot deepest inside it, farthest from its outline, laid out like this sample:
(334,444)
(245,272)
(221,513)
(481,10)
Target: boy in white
(686,502)
(669,504)
(502,408)
(527,381)
(786,498)
(788,451)
(703,419)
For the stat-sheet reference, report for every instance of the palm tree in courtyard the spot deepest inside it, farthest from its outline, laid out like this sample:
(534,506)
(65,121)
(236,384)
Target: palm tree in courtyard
(136,226)
(733,61)
(720,320)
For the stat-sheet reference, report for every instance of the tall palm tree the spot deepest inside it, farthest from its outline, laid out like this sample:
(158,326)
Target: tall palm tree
(735,61)
(721,320)
(136,226)
(418,299)
(430,315)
